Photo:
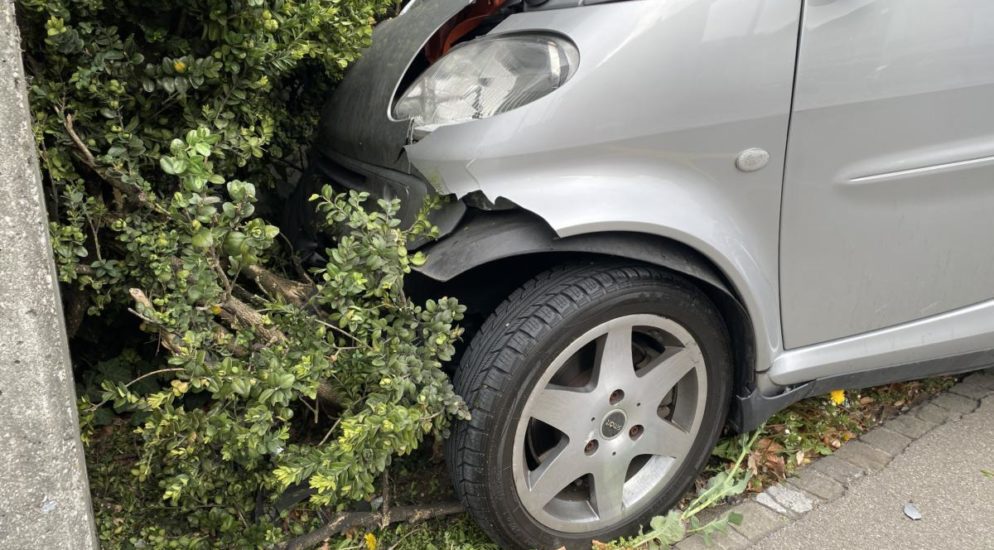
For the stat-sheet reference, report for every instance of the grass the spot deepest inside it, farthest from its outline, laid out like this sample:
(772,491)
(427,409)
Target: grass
(817,426)
(790,439)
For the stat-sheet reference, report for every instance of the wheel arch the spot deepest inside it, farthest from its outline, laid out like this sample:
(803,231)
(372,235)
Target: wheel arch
(510,247)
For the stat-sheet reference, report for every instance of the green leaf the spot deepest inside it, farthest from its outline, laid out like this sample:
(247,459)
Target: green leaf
(202,239)
(172,165)
(668,529)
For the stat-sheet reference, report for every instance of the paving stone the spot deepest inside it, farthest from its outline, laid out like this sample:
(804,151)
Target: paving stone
(766,500)
(692,543)
(837,469)
(757,520)
(956,403)
(984,379)
(792,499)
(974,389)
(729,540)
(863,455)
(886,440)
(909,425)
(936,414)
(817,484)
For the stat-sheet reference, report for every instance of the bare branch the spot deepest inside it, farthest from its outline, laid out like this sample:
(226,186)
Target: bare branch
(169,340)
(347,520)
(293,292)
(86,156)
(119,186)
(234,310)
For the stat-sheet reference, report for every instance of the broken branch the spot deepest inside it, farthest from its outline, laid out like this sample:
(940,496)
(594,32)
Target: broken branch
(169,340)
(234,310)
(293,292)
(86,156)
(347,520)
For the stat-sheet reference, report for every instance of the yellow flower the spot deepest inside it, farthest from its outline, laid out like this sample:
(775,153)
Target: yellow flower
(370,541)
(838,396)
(179,67)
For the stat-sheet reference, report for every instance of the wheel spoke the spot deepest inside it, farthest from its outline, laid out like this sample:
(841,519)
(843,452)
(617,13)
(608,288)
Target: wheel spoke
(609,487)
(555,473)
(615,366)
(665,371)
(663,438)
(563,409)
(600,413)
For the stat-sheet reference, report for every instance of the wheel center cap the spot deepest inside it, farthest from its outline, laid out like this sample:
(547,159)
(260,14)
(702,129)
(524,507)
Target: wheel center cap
(613,423)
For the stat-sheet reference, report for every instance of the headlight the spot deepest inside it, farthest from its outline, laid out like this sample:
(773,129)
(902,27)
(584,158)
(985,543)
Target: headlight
(485,77)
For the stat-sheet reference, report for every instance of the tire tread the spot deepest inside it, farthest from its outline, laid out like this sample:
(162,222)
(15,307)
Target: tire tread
(504,339)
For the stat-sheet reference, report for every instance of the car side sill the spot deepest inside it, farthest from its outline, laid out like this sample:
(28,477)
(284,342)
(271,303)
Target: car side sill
(750,412)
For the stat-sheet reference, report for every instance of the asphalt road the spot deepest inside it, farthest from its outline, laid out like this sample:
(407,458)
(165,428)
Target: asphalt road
(940,473)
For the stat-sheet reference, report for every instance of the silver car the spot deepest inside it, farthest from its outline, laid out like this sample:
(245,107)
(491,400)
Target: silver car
(669,217)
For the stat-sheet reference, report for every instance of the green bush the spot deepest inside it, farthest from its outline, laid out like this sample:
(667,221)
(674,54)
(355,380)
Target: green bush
(151,119)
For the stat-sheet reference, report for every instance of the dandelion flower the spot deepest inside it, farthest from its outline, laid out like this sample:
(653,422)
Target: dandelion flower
(838,396)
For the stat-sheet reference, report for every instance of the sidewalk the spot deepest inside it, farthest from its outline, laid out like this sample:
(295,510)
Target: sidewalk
(932,456)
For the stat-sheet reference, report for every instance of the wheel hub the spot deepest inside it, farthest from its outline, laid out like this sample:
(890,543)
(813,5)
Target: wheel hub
(579,472)
(614,423)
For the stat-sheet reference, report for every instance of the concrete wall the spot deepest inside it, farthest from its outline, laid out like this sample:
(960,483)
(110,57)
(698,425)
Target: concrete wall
(44,495)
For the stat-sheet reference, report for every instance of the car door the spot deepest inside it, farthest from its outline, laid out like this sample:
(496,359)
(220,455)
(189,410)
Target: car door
(888,204)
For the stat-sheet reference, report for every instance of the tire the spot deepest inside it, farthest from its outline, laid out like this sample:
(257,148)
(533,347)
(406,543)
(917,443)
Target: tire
(539,379)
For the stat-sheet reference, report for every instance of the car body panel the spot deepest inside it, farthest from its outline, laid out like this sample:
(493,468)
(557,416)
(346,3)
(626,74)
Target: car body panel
(890,146)
(587,169)
(355,122)
(960,332)
(889,186)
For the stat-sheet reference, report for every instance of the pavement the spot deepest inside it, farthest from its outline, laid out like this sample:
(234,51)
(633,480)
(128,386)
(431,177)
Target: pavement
(931,456)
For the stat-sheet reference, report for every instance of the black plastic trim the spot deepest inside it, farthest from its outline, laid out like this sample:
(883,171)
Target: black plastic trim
(751,411)
(487,237)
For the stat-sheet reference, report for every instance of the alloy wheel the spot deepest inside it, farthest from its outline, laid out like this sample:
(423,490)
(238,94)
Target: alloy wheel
(608,423)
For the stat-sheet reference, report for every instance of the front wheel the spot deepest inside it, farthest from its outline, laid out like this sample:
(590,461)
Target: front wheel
(596,394)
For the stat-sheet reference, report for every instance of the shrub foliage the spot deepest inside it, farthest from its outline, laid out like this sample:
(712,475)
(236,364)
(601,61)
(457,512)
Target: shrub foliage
(151,119)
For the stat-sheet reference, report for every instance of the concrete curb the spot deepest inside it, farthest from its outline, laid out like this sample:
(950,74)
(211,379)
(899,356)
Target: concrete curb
(828,478)
(44,495)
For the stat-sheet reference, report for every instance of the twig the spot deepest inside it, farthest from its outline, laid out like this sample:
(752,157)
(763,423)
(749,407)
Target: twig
(344,333)
(86,156)
(310,408)
(348,520)
(96,239)
(142,377)
(168,339)
(299,267)
(329,432)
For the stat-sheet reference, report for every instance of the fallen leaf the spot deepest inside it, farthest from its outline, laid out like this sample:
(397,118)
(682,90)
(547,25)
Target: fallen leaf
(799,457)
